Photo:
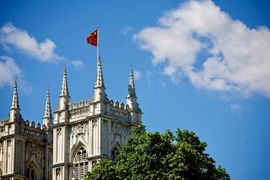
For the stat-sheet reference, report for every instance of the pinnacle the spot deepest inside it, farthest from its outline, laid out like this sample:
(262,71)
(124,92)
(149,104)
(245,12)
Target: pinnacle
(15,98)
(99,80)
(131,86)
(47,113)
(131,78)
(99,90)
(64,89)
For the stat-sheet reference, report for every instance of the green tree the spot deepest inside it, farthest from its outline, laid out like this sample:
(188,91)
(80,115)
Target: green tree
(149,155)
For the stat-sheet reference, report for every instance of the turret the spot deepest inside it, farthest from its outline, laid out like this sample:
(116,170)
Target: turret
(14,113)
(47,118)
(99,90)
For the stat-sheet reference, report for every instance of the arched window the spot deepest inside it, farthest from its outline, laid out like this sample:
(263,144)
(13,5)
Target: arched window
(114,153)
(80,164)
(30,173)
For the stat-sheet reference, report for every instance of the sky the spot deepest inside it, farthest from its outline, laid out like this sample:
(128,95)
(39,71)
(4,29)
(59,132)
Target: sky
(199,65)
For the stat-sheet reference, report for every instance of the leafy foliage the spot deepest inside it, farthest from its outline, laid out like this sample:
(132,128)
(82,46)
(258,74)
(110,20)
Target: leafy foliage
(149,155)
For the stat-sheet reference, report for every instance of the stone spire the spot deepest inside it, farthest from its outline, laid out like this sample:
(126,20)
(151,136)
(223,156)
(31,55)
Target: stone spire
(14,112)
(47,114)
(131,98)
(64,94)
(15,98)
(64,89)
(131,86)
(99,90)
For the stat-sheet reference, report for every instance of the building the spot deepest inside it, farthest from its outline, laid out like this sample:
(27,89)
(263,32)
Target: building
(71,143)
(25,147)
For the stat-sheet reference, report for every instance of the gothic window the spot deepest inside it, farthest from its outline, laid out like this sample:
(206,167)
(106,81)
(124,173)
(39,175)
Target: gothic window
(114,153)
(30,173)
(80,164)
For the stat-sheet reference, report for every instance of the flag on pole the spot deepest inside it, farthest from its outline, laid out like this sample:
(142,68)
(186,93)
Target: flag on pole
(92,38)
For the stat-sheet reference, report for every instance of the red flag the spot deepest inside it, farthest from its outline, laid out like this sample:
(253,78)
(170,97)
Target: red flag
(92,38)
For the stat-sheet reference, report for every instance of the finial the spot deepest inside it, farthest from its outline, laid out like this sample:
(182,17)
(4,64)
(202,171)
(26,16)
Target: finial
(65,70)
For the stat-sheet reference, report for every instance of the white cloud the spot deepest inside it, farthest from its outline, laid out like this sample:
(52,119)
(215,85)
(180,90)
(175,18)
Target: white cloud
(126,30)
(9,71)
(21,40)
(236,108)
(137,75)
(237,56)
(10,36)
(78,64)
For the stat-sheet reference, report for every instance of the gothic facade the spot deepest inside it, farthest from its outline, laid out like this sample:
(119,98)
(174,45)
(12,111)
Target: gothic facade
(25,147)
(71,143)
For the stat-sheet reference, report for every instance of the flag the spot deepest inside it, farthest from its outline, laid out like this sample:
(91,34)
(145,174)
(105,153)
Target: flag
(92,38)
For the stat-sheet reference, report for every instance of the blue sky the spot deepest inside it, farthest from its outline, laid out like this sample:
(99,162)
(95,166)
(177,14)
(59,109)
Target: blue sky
(202,66)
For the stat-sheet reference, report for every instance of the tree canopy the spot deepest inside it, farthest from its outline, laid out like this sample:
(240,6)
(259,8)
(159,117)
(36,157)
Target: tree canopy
(151,155)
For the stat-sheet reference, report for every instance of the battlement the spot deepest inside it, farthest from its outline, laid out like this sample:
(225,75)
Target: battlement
(113,108)
(80,104)
(119,111)
(33,130)
(29,129)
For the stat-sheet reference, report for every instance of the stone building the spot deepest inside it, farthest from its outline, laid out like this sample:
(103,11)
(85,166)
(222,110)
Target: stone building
(71,143)
(25,147)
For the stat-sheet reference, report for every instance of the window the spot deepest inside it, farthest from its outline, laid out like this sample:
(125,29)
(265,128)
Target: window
(80,164)
(115,153)
(30,173)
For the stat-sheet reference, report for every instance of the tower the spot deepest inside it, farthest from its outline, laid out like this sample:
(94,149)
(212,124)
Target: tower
(61,132)
(90,130)
(25,147)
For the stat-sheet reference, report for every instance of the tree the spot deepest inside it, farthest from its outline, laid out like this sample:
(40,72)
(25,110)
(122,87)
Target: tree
(148,155)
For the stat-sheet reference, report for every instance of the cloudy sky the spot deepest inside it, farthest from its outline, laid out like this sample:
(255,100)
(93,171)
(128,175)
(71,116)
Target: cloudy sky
(199,65)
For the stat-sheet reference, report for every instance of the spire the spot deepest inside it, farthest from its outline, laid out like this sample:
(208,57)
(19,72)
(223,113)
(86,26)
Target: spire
(47,114)
(99,81)
(131,99)
(99,90)
(15,98)
(131,86)
(131,77)
(14,113)
(64,94)
(64,89)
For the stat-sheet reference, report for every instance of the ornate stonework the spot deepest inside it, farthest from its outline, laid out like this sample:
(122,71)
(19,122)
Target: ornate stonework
(71,143)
